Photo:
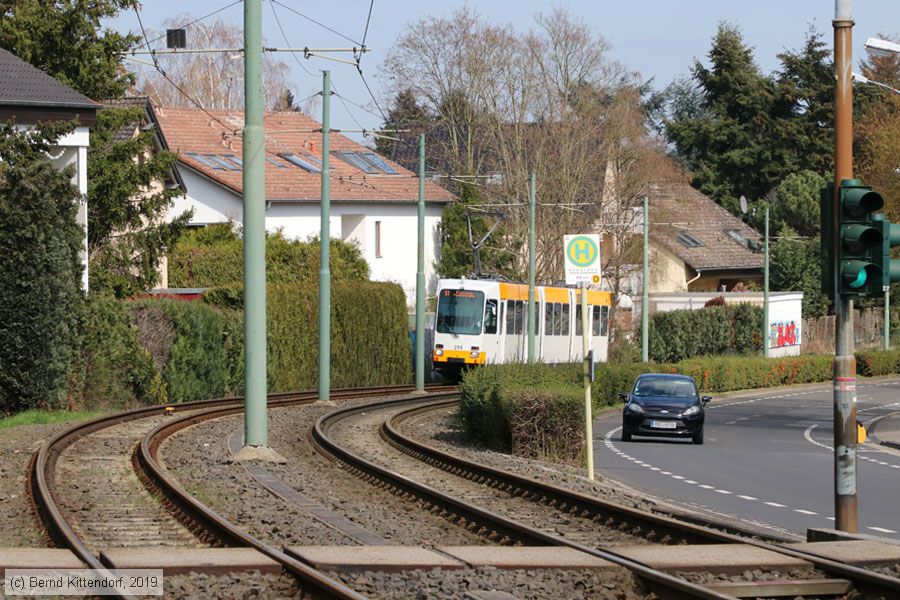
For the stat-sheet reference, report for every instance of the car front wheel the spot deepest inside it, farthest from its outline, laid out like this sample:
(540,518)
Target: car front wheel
(626,435)
(698,437)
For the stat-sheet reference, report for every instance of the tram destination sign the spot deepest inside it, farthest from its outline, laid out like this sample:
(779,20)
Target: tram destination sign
(582,258)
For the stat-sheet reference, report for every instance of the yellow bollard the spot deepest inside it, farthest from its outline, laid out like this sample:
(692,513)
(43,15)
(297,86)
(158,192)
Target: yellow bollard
(861,435)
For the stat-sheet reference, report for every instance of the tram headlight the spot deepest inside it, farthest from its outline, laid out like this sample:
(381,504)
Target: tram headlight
(475,352)
(438,350)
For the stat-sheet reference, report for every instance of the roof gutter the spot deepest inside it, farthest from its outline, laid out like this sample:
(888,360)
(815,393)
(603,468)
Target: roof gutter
(688,284)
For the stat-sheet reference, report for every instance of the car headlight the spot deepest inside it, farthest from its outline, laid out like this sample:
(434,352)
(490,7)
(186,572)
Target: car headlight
(691,411)
(634,407)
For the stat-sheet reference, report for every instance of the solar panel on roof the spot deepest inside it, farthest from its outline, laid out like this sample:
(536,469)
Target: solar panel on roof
(272,161)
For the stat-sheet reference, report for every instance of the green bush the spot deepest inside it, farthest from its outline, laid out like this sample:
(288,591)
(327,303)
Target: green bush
(710,331)
(369,333)
(878,362)
(547,422)
(213,256)
(112,369)
(196,347)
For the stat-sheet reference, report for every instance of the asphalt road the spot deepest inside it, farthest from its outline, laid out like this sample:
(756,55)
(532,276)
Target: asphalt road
(767,461)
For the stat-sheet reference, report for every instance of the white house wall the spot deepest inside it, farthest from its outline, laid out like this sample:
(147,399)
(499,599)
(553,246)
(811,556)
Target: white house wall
(353,222)
(71,150)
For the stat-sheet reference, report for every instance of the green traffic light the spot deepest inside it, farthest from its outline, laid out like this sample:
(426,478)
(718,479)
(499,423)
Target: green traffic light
(860,280)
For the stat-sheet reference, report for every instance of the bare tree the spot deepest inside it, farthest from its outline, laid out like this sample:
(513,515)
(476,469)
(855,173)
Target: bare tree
(551,102)
(215,79)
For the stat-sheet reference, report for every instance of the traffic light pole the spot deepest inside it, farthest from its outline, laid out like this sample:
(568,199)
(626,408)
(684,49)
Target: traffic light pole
(844,384)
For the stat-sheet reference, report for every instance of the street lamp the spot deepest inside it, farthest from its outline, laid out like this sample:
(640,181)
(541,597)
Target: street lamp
(881,48)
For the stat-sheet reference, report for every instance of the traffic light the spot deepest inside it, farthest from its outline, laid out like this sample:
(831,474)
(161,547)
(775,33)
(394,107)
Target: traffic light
(862,251)
(890,267)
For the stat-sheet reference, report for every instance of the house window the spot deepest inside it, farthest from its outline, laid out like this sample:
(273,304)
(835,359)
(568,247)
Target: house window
(377,239)
(688,240)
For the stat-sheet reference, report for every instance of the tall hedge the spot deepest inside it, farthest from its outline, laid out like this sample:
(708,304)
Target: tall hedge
(369,333)
(112,368)
(710,331)
(198,349)
(41,271)
(213,257)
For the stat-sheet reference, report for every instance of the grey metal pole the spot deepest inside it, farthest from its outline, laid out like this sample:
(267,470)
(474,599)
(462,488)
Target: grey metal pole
(588,416)
(420,275)
(765,338)
(844,385)
(887,317)
(531,272)
(645,284)
(325,242)
(254,183)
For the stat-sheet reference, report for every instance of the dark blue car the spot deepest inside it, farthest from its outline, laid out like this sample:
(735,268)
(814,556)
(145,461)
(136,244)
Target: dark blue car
(662,404)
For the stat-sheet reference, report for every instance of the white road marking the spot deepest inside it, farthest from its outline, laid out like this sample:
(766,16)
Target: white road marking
(805,512)
(881,529)
(707,487)
(723,491)
(775,504)
(745,497)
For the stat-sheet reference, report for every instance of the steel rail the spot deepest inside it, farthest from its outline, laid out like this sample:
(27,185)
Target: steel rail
(668,585)
(43,464)
(865,580)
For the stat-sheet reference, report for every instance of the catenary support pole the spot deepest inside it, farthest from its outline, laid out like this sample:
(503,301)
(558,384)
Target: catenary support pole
(766,329)
(588,413)
(325,243)
(254,184)
(645,284)
(844,385)
(531,268)
(420,274)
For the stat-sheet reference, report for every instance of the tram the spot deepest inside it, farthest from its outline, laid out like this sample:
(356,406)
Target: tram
(485,321)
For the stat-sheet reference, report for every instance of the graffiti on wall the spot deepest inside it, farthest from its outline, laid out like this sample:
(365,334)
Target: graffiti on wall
(784,333)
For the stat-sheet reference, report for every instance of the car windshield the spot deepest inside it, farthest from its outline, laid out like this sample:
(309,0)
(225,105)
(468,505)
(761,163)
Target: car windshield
(667,388)
(460,311)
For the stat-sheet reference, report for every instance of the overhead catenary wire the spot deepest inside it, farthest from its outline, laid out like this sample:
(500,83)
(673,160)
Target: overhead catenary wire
(368,20)
(322,25)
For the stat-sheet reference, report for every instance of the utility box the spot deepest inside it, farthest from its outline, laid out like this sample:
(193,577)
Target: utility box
(785,313)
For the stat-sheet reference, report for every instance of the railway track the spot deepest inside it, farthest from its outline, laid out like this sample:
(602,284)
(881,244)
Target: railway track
(510,509)
(95,485)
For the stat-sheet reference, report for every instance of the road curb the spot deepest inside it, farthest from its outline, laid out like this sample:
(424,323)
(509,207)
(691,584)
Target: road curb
(873,426)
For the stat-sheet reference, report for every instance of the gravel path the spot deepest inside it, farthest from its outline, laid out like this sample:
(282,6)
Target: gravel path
(18,527)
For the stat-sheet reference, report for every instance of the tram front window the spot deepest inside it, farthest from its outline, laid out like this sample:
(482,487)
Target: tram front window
(460,312)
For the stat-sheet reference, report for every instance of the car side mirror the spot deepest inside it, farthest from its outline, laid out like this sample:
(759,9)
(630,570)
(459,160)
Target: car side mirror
(705,399)
(623,396)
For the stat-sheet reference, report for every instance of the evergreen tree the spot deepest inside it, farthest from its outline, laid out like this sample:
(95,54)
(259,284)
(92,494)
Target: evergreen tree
(794,265)
(127,230)
(65,39)
(406,113)
(729,145)
(39,259)
(797,203)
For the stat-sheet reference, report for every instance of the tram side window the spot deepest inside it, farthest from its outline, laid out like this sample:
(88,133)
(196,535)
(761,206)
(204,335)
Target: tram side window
(564,320)
(577,319)
(490,316)
(520,317)
(601,320)
(548,318)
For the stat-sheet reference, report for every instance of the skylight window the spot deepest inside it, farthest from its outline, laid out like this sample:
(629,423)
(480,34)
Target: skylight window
(221,160)
(278,164)
(379,163)
(303,162)
(688,240)
(742,239)
(205,161)
(356,159)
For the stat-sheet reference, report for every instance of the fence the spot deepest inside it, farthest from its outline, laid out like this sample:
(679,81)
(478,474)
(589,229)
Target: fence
(818,332)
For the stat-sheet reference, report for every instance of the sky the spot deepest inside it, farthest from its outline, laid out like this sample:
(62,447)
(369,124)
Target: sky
(660,39)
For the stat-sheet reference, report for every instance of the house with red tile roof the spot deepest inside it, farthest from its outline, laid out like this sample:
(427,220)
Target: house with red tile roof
(373,199)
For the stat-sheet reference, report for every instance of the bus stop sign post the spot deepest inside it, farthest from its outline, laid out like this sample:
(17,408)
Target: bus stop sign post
(582,261)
